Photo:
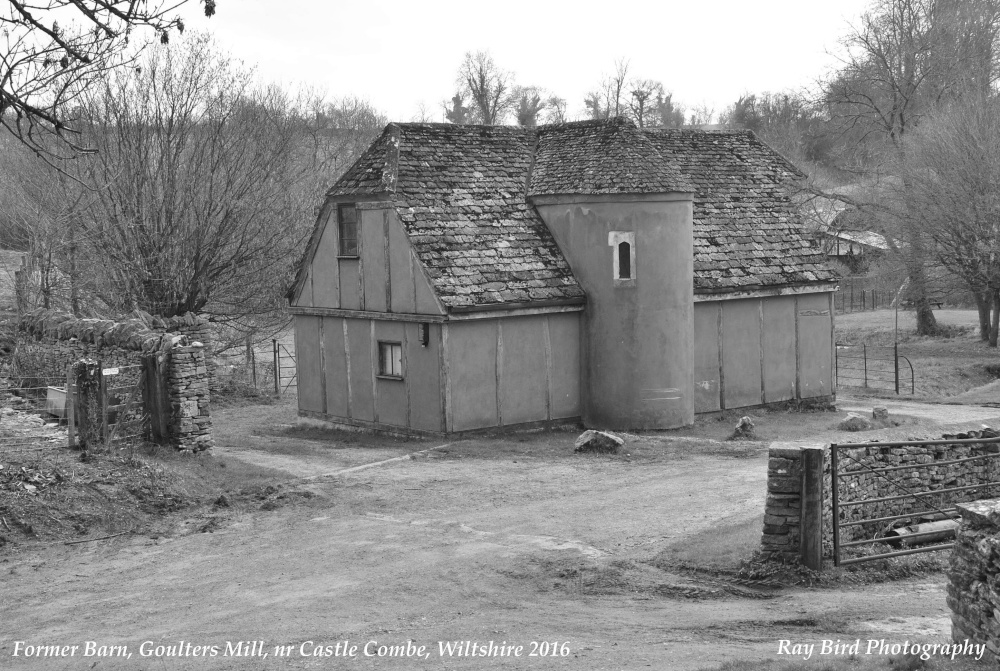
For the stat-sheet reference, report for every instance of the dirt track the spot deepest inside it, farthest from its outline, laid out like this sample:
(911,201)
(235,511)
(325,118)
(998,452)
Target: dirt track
(467,544)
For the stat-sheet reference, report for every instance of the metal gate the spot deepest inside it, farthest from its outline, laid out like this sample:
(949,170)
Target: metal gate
(872,367)
(124,419)
(849,514)
(285,372)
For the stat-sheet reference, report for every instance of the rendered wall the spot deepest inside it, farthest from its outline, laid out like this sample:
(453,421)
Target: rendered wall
(753,351)
(513,370)
(385,277)
(472,374)
(638,335)
(337,373)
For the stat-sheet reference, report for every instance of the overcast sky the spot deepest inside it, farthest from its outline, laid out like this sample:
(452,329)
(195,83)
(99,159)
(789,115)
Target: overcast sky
(399,53)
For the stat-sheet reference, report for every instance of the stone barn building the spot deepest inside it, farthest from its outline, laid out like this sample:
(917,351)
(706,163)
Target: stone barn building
(472,277)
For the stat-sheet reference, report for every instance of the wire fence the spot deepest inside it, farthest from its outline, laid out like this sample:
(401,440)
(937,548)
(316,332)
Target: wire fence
(31,410)
(874,367)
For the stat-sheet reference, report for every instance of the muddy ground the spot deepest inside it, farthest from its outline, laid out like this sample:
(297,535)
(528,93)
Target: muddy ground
(593,558)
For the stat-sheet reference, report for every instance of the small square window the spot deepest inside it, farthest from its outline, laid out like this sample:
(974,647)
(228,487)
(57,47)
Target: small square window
(347,225)
(390,359)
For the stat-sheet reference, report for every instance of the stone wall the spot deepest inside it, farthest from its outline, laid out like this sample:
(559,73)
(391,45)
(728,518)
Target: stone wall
(783,507)
(188,391)
(780,539)
(51,341)
(974,577)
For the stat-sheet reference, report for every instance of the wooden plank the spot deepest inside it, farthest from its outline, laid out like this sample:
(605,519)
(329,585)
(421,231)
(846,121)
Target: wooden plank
(811,512)
(706,357)
(741,347)
(778,339)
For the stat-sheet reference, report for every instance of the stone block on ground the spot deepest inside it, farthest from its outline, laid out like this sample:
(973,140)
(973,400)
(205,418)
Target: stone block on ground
(598,441)
(855,422)
(744,430)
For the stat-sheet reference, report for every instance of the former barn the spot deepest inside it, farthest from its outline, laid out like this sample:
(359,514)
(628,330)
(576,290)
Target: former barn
(468,277)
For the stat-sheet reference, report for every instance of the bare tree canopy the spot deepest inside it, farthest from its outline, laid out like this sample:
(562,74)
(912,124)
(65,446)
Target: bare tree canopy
(51,50)
(951,167)
(608,100)
(903,59)
(490,88)
(199,198)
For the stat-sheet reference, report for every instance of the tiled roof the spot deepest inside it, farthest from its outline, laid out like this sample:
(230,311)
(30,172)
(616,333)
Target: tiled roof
(460,194)
(747,233)
(601,157)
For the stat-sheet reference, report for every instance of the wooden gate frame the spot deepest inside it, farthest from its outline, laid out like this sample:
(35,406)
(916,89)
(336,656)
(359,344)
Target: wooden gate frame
(836,476)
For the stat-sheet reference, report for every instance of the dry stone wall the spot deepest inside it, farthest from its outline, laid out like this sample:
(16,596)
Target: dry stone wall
(783,507)
(930,471)
(974,577)
(188,390)
(52,341)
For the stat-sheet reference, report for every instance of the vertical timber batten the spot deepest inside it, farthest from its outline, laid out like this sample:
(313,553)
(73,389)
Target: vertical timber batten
(322,364)
(763,368)
(449,420)
(722,359)
(374,367)
(798,362)
(388,267)
(347,361)
(499,375)
(833,348)
(547,341)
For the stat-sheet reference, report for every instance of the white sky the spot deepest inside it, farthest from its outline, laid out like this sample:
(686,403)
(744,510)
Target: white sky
(397,53)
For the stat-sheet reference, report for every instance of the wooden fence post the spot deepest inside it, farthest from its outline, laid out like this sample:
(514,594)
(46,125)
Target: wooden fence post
(87,382)
(155,399)
(811,521)
(70,408)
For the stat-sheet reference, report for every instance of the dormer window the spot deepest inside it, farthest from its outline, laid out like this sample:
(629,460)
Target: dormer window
(622,245)
(347,226)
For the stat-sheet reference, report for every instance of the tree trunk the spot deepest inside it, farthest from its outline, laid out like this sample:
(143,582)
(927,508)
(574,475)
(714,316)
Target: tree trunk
(983,301)
(995,326)
(915,259)
(74,290)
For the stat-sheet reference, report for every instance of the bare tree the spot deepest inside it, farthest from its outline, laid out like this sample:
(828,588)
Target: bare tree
(702,114)
(609,99)
(50,50)
(200,186)
(905,57)
(40,210)
(555,110)
(788,121)
(490,88)
(952,168)
(423,114)
(643,94)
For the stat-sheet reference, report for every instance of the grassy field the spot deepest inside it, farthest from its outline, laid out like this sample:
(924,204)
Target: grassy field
(945,367)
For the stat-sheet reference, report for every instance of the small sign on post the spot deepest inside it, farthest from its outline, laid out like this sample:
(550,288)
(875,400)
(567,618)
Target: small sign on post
(109,371)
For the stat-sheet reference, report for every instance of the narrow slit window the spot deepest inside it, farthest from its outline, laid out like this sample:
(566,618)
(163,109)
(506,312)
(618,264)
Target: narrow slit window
(347,224)
(624,261)
(390,359)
